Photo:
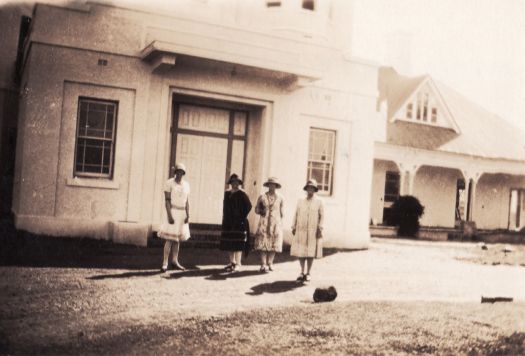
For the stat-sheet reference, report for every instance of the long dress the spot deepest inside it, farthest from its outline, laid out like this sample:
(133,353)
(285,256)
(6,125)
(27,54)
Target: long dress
(308,219)
(179,193)
(269,236)
(235,227)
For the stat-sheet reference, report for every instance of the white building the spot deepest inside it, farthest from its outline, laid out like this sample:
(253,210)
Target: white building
(112,96)
(462,162)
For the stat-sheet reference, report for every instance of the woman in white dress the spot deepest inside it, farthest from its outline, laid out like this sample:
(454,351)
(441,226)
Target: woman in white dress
(176,194)
(307,229)
(269,236)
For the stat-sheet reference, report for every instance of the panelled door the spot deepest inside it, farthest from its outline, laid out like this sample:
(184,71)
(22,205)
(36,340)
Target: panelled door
(210,141)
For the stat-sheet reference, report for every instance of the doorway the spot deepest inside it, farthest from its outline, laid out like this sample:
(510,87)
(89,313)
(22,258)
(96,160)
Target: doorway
(517,209)
(210,139)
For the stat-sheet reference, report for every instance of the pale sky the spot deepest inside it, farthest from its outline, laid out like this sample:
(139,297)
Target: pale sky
(477,47)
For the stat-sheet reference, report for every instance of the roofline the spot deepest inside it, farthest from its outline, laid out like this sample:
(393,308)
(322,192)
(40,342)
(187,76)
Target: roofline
(428,79)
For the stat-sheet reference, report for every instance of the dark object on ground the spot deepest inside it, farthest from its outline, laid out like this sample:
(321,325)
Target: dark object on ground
(405,214)
(325,294)
(495,299)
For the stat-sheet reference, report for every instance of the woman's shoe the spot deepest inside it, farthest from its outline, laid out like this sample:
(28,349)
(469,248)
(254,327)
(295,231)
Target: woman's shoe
(307,277)
(263,269)
(229,267)
(300,279)
(163,269)
(178,266)
(270,267)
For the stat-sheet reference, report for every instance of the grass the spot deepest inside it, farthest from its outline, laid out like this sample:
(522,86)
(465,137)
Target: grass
(359,328)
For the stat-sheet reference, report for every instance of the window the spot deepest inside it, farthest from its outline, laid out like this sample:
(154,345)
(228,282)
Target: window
(321,153)
(309,5)
(425,106)
(95,142)
(434,115)
(419,99)
(409,110)
(271,3)
(391,186)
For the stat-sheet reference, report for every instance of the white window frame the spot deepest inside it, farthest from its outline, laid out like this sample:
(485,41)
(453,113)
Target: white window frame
(325,187)
(111,141)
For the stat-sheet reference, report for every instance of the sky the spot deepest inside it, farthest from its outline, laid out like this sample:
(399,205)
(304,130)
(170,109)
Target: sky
(477,47)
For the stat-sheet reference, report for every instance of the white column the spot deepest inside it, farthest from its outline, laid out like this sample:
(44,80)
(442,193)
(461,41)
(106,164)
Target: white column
(407,173)
(471,178)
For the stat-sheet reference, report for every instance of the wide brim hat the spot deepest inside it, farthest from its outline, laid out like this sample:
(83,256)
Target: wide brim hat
(272,180)
(234,177)
(311,183)
(179,167)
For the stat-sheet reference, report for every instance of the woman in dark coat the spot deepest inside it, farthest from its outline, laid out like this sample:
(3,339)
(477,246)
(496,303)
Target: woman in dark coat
(235,228)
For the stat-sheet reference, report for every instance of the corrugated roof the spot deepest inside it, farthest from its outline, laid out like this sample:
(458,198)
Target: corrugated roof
(482,133)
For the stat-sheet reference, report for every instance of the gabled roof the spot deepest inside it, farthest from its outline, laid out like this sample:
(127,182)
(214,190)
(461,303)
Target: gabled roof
(480,134)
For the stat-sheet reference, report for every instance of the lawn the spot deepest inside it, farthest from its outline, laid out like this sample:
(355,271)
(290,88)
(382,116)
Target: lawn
(332,328)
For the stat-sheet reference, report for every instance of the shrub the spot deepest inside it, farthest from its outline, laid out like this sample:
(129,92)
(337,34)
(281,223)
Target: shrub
(405,214)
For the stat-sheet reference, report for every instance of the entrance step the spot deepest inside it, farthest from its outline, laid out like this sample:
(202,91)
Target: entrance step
(202,235)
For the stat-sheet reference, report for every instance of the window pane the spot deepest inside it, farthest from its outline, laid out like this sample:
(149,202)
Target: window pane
(94,145)
(239,126)
(201,118)
(309,4)
(96,123)
(320,157)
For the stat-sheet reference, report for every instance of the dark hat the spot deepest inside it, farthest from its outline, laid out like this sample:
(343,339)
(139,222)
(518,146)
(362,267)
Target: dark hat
(311,183)
(272,180)
(234,177)
(179,167)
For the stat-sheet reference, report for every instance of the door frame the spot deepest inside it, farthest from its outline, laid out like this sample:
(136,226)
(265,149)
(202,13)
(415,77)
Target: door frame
(178,100)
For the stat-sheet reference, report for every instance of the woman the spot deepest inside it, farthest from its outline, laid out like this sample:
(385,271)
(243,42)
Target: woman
(235,228)
(176,193)
(307,229)
(269,236)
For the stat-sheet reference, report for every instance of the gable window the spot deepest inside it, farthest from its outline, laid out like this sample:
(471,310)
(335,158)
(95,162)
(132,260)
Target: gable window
(419,98)
(95,139)
(433,118)
(309,5)
(321,151)
(410,107)
(425,106)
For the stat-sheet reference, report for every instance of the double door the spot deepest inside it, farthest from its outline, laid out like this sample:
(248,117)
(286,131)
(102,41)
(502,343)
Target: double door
(210,141)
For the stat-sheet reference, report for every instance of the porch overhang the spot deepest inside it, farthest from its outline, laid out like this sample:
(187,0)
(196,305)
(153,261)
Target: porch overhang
(411,156)
(162,55)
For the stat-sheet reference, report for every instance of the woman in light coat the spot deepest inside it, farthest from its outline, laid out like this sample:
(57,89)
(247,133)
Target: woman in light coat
(269,236)
(307,229)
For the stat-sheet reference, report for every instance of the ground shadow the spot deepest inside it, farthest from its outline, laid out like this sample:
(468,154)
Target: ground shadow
(196,272)
(275,287)
(223,275)
(125,275)
(20,248)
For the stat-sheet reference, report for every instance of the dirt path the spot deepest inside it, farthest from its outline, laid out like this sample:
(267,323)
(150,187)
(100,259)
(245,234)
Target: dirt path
(54,305)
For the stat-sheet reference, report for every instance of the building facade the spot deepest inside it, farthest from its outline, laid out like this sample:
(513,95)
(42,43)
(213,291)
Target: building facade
(462,162)
(111,97)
